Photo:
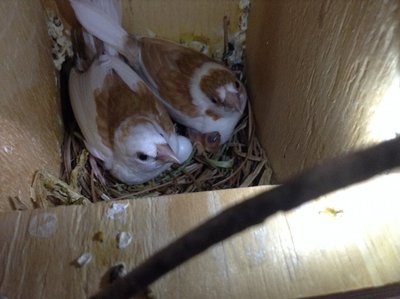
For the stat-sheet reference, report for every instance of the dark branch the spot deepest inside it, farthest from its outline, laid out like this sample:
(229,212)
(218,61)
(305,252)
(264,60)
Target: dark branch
(331,176)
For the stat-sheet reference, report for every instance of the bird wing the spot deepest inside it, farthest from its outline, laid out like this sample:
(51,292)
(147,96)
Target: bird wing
(143,102)
(82,89)
(169,67)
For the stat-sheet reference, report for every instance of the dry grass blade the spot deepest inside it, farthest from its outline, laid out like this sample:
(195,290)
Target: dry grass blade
(78,170)
(51,191)
(249,180)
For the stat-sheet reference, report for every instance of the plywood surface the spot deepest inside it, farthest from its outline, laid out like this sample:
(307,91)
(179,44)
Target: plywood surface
(323,77)
(30,125)
(304,253)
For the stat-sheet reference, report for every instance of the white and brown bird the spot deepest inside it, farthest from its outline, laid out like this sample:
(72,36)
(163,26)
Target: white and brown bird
(122,122)
(198,92)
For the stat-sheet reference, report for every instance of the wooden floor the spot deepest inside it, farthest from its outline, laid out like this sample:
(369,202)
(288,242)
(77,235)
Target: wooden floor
(348,240)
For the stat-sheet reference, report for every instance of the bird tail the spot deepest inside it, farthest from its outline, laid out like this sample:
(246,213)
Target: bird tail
(102,19)
(102,34)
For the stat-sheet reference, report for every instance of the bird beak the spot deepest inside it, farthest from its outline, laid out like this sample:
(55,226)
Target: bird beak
(166,154)
(232,100)
(212,141)
(205,141)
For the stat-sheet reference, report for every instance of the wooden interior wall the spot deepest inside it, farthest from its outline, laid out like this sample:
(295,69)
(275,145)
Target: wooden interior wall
(317,73)
(175,19)
(30,124)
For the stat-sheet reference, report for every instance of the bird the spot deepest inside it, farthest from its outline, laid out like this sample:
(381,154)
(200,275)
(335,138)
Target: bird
(122,122)
(198,92)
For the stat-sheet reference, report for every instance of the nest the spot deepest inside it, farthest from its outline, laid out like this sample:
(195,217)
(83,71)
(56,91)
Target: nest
(241,162)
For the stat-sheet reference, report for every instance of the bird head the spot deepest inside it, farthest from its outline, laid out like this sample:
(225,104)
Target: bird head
(224,90)
(141,152)
(205,141)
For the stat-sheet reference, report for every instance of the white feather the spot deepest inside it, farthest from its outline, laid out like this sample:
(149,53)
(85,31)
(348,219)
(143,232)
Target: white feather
(229,87)
(114,10)
(90,46)
(102,19)
(221,92)
(125,72)
(82,87)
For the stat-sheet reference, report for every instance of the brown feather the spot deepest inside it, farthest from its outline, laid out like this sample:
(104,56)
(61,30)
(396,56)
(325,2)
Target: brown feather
(213,114)
(171,66)
(215,79)
(116,102)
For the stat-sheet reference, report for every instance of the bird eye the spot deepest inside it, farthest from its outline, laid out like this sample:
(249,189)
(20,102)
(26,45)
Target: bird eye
(213,138)
(142,156)
(237,84)
(214,100)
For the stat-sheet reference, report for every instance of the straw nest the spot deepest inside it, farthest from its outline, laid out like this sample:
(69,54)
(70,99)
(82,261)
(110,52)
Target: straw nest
(241,162)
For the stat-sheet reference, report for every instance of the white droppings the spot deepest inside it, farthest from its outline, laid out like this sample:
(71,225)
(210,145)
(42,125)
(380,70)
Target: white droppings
(43,225)
(84,259)
(123,240)
(117,210)
(221,92)
(243,4)
(8,149)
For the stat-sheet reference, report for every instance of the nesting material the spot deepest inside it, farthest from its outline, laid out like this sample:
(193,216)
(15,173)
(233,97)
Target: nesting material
(241,162)
(47,190)
(61,47)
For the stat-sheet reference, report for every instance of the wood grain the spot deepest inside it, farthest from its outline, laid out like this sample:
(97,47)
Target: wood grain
(318,72)
(306,252)
(30,125)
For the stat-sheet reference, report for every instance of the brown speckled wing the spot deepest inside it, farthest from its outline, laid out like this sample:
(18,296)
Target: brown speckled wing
(214,79)
(116,102)
(171,67)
